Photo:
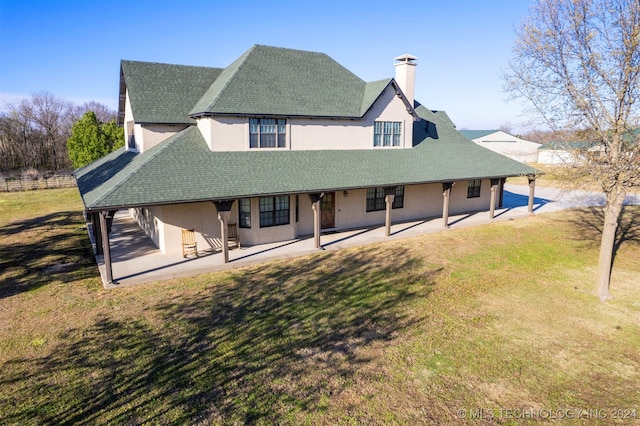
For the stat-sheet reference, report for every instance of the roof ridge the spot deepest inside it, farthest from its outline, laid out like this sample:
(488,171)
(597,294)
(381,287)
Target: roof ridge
(169,64)
(283,81)
(240,62)
(368,101)
(153,154)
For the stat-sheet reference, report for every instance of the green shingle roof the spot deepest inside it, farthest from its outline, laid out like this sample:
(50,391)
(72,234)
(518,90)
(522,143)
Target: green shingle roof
(269,80)
(566,146)
(475,134)
(164,93)
(263,81)
(372,91)
(183,169)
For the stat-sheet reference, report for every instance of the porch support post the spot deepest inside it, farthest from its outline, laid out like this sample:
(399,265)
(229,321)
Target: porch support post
(446,195)
(532,191)
(97,234)
(494,188)
(224,214)
(106,249)
(389,196)
(224,217)
(501,198)
(316,200)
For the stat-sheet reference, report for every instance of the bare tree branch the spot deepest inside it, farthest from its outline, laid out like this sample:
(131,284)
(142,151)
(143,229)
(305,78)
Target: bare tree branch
(577,63)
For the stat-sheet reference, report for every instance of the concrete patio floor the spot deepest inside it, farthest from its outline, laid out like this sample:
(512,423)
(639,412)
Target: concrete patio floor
(136,260)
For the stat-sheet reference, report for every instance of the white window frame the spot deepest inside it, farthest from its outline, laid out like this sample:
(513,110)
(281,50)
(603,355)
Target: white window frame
(261,127)
(387,134)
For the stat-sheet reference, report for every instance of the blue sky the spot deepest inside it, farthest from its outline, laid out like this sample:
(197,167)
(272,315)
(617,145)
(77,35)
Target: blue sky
(73,48)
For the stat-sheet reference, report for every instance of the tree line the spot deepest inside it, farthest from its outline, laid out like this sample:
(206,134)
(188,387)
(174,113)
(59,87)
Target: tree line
(36,132)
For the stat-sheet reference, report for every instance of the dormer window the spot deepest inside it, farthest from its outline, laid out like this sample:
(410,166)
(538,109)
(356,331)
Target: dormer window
(267,133)
(387,133)
(131,139)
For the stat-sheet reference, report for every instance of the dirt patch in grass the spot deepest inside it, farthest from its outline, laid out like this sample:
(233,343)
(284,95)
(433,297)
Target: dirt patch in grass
(413,331)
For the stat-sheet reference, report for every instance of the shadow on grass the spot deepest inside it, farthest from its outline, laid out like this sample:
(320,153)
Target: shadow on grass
(262,345)
(44,249)
(590,220)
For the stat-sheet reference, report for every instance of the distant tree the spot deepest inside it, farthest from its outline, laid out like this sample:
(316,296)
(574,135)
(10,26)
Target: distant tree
(35,130)
(103,113)
(12,134)
(577,63)
(506,127)
(91,139)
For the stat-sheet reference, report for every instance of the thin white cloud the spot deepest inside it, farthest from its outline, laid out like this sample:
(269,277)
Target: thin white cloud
(7,99)
(10,98)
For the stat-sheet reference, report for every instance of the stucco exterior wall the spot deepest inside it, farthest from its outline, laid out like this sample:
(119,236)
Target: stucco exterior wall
(151,135)
(146,135)
(305,217)
(459,203)
(164,224)
(257,235)
(420,202)
(232,133)
(129,118)
(313,134)
(150,220)
(225,133)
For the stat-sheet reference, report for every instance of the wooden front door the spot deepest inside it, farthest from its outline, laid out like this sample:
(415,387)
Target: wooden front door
(328,209)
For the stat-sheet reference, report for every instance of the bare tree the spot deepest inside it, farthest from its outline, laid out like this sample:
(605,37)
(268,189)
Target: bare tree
(103,113)
(506,127)
(34,131)
(39,128)
(577,63)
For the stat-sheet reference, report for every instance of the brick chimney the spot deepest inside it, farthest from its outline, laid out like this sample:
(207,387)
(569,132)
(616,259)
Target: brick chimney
(406,75)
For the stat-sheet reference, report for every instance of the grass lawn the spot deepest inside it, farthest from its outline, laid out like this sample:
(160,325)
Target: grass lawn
(465,326)
(555,176)
(561,176)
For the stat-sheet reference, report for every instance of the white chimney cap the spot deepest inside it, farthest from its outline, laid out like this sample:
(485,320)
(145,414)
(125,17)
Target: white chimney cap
(405,58)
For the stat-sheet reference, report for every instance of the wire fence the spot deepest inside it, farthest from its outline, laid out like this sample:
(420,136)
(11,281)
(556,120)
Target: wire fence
(29,183)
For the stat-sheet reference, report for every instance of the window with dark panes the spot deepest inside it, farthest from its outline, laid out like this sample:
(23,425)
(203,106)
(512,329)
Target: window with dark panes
(244,206)
(267,133)
(387,133)
(473,190)
(274,211)
(376,199)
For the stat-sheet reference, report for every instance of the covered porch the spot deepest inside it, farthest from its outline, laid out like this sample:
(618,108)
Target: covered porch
(134,259)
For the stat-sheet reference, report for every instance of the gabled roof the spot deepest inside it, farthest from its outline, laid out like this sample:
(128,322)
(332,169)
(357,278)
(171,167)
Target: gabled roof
(183,169)
(475,134)
(268,80)
(163,93)
(264,81)
(372,91)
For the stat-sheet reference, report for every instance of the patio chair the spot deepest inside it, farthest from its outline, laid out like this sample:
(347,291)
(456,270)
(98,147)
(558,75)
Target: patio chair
(189,245)
(232,234)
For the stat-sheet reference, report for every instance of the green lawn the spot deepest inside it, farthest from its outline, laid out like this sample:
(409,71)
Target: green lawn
(477,322)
